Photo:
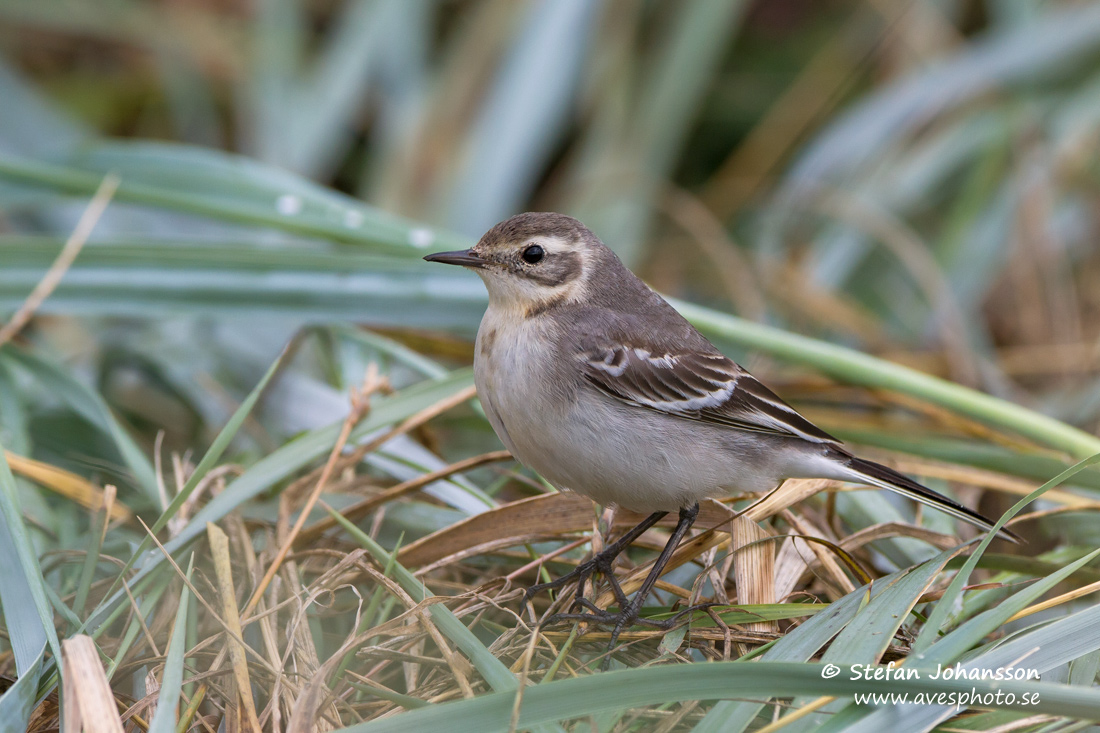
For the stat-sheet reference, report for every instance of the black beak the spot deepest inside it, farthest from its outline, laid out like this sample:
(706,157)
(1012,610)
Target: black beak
(463,257)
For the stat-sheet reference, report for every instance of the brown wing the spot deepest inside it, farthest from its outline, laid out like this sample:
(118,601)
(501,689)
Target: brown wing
(697,386)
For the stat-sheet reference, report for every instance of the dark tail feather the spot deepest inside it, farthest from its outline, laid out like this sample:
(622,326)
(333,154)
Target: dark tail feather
(876,474)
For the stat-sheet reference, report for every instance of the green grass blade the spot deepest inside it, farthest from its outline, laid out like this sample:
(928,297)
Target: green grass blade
(1048,645)
(17,702)
(947,651)
(797,645)
(491,668)
(24,596)
(394,349)
(970,633)
(209,461)
(228,277)
(23,621)
(91,561)
(290,458)
(165,718)
(939,614)
(583,696)
(864,639)
(870,632)
(90,405)
(228,188)
(148,598)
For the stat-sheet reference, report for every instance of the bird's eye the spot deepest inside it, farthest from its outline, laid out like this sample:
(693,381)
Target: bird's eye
(533,254)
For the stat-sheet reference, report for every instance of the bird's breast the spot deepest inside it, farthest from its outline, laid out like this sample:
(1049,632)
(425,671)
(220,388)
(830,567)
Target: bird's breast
(522,382)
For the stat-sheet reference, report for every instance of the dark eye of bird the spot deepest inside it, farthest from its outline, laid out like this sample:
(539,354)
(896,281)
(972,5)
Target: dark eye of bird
(533,254)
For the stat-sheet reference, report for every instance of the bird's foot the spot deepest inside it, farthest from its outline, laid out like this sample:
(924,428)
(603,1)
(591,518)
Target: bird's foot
(629,615)
(602,563)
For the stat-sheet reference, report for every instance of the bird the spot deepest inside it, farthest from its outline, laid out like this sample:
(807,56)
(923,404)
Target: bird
(594,381)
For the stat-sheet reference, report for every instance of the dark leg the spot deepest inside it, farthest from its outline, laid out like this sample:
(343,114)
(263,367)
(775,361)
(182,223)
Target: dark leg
(602,562)
(628,609)
(629,613)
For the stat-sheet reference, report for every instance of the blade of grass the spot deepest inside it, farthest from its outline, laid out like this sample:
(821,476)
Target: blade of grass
(939,614)
(65,483)
(620,690)
(797,645)
(20,546)
(56,272)
(227,277)
(223,571)
(395,349)
(971,632)
(492,669)
(287,460)
(945,652)
(165,718)
(148,600)
(997,59)
(882,607)
(520,123)
(209,460)
(90,405)
(89,703)
(101,520)
(868,635)
(323,117)
(314,211)
(24,629)
(17,702)
(1073,638)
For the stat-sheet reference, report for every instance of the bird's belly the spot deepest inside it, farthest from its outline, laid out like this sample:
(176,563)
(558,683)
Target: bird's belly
(647,461)
(614,453)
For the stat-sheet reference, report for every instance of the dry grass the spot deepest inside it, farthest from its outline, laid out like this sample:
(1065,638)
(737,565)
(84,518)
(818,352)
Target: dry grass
(329,639)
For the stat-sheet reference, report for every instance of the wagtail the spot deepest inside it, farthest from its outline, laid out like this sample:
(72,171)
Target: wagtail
(597,383)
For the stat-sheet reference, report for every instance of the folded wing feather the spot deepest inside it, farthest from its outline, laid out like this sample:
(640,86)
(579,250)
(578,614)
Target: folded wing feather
(699,386)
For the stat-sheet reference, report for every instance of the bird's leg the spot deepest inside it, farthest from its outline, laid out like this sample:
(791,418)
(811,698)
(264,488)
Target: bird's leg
(628,613)
(629,609)
(602,561)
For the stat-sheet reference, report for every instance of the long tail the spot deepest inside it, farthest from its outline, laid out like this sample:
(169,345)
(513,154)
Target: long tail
(876,474)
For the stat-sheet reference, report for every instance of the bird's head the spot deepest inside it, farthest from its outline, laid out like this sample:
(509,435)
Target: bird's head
(533,260)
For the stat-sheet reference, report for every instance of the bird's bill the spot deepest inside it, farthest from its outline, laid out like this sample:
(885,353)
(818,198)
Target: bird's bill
(463,257)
